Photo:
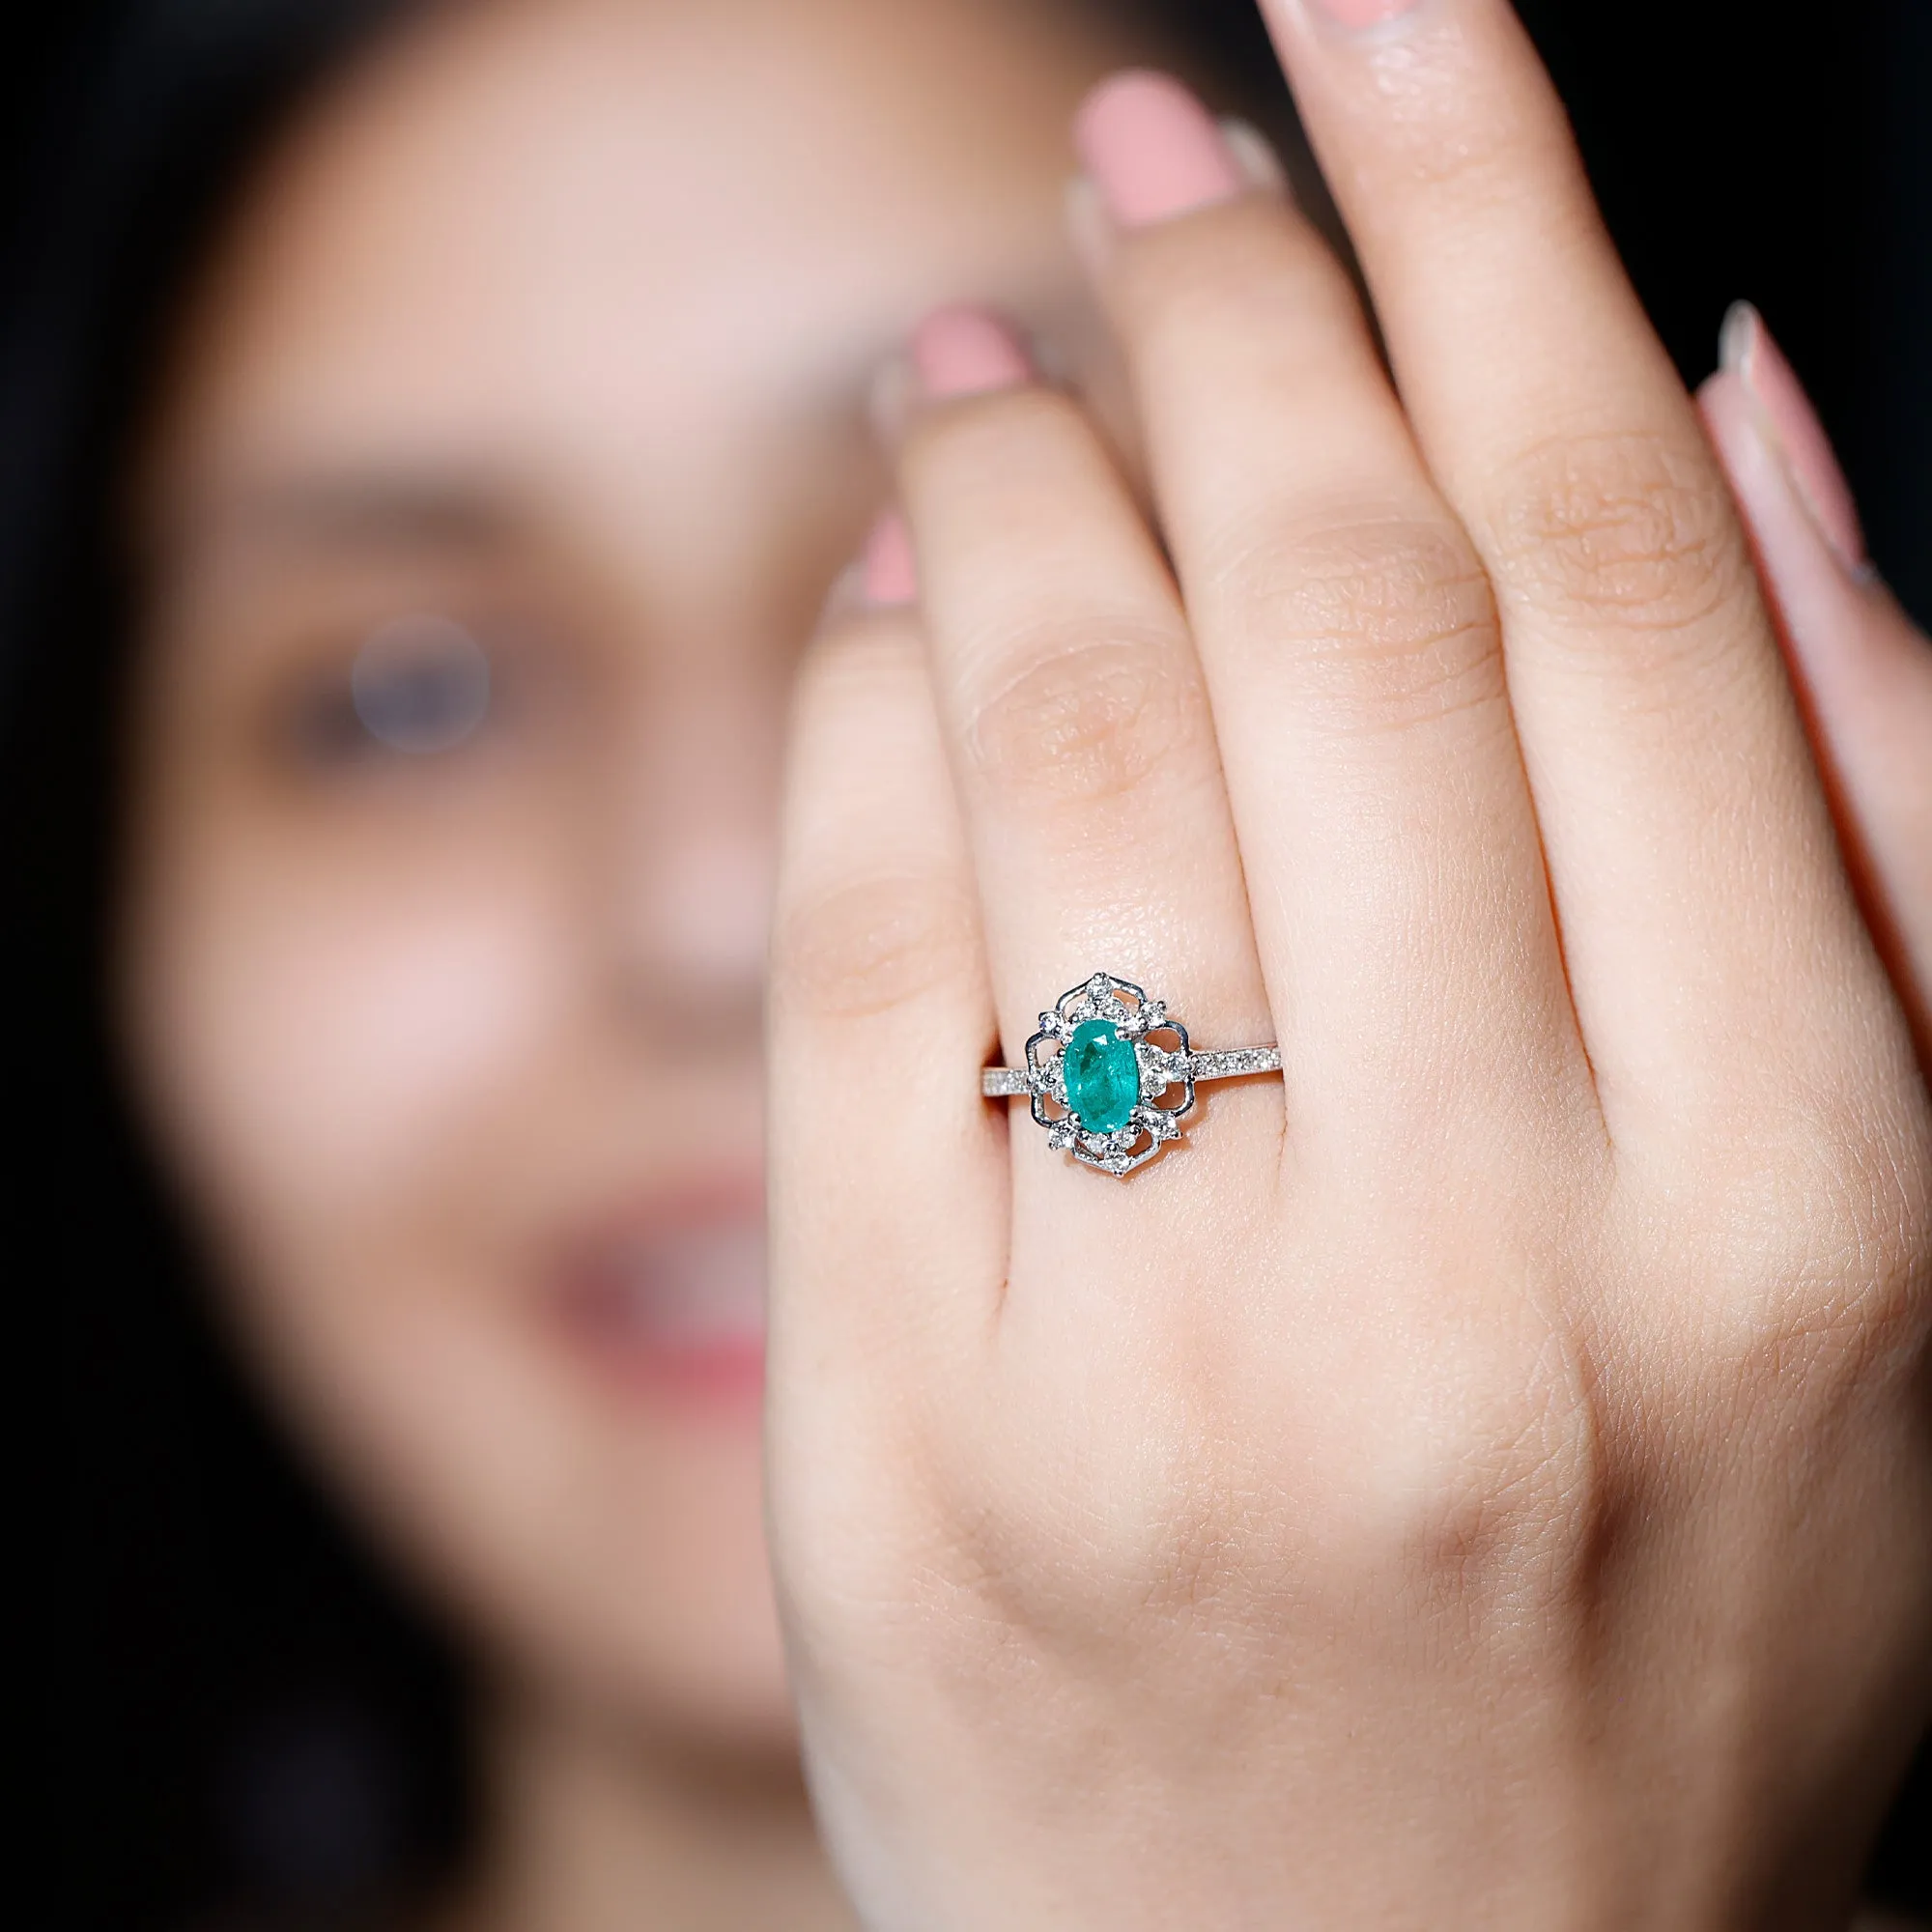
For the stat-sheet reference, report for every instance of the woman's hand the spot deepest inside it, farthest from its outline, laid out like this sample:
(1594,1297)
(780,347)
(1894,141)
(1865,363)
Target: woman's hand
(1482,1478)
(1862,669)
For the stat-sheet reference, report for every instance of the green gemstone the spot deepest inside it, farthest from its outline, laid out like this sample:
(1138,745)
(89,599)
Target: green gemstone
(1103,1078)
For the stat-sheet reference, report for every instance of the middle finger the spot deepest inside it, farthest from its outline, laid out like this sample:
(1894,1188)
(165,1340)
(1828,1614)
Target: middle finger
(1349,639)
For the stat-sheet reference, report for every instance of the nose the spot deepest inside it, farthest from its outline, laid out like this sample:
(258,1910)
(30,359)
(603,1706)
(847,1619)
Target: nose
(695,857)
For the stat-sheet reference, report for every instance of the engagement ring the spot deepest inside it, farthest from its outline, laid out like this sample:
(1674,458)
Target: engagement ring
(1109,1074)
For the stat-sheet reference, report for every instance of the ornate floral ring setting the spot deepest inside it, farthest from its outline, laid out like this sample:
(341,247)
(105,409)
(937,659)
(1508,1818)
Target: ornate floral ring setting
(1109,1074)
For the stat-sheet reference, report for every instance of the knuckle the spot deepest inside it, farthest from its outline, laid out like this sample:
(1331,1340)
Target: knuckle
(1239,274)
(1087,717)
(1390,624)
(867,944)
(1454,127)
(866,666)
(1814,1224)
(989,437)
(1509,157)
(1507,1511)
(1634,530)
(1845,1244)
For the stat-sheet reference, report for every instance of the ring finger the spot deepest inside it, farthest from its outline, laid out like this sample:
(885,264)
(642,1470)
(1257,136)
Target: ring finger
(1073,705)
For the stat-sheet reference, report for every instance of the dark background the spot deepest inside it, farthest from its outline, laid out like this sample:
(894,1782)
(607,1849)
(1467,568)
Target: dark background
(243,1714)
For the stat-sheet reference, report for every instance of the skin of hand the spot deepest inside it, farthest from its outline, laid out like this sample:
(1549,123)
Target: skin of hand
(1863,669)
(1482,1478)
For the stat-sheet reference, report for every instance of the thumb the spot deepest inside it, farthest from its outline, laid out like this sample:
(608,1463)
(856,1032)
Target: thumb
(1862,668)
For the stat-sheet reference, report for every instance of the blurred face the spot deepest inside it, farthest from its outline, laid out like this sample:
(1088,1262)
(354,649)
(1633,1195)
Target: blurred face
(517,435)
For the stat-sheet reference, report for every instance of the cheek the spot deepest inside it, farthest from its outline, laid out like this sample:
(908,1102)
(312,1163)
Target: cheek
(364,1080)
(312,1031)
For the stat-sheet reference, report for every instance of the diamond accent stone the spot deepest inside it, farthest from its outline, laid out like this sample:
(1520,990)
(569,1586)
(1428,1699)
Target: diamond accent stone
(1231,1062)
(1161,1068)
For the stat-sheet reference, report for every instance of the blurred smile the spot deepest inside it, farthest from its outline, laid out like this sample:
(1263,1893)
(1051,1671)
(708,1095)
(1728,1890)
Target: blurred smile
(670,1302)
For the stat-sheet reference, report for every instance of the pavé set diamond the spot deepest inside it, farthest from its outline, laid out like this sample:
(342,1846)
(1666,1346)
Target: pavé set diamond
(1106,1090)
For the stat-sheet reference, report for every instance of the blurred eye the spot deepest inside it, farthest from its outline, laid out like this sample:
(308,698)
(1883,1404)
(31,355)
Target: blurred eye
(418,684)
(421,684)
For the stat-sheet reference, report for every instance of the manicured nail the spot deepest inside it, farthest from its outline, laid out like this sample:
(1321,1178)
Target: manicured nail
(965,351)
(887,572)
(1153,151)
(1355,15)
(1791,425)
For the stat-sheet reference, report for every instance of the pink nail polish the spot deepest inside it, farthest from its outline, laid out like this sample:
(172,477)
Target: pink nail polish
(965,351)
(887,572)
(1152,150)
(1355,15)
(1747,349)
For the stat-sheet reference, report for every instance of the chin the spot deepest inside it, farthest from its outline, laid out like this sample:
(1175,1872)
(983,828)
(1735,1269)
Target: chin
(583,1498)
(659,1616)
(706,1660)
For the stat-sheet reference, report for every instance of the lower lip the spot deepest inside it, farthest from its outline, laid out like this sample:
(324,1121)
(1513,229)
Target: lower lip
(728,1373)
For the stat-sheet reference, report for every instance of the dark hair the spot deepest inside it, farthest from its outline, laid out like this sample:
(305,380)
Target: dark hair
(246,1713)
(249,1714)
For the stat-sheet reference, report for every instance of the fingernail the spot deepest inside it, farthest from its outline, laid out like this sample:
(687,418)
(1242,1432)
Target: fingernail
(1153,151)
(887,572)
(966,351)
(1791,425)
(1355,14)
(1253,155)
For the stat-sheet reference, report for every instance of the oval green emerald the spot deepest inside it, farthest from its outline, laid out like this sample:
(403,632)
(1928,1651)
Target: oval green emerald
(1104,1077)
